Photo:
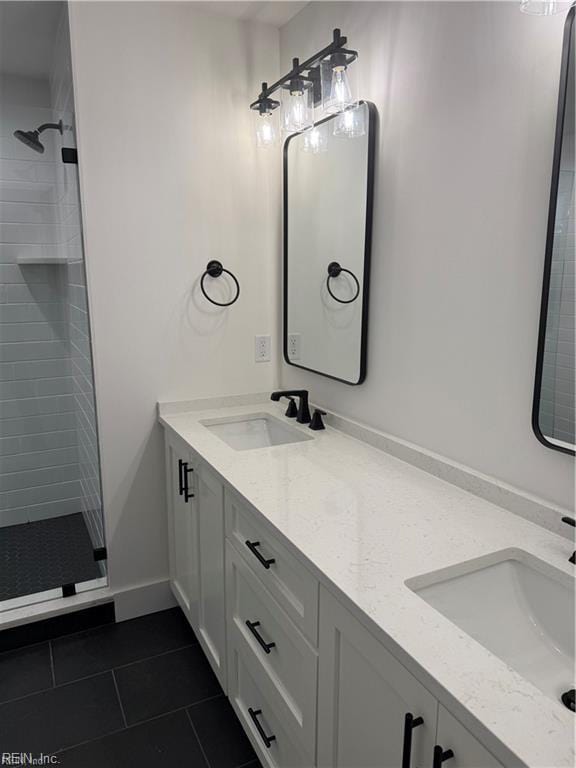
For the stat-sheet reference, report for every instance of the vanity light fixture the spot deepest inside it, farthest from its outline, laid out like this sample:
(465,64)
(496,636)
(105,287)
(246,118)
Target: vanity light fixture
(336,89)
(302,88)
(266,133)
(297,103)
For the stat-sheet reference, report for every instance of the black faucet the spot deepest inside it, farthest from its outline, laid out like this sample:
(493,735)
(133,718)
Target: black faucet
(303,416)
(572,522)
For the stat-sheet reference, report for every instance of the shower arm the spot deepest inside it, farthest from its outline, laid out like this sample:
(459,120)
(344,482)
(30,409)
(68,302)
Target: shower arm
(45,126)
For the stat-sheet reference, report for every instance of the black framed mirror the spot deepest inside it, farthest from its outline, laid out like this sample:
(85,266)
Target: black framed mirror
(328,199)
(553,415)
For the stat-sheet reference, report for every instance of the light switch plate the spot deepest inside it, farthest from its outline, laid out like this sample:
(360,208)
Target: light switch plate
(262,349)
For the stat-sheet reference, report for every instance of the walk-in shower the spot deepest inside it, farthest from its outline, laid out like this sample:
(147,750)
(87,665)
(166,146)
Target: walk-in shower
(52,541)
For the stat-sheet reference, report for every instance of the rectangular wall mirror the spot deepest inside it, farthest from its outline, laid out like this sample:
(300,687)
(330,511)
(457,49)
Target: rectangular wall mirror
(328,192)
(553,412)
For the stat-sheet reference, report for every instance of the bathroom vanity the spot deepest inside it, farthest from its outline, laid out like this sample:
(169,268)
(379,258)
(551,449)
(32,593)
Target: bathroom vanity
(324,580)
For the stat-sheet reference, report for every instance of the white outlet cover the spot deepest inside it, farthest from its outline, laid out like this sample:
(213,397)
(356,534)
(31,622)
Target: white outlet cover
(294,346)
(262,349)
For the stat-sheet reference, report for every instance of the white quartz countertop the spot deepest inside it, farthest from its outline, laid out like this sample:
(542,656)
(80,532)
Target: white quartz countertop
(366,522)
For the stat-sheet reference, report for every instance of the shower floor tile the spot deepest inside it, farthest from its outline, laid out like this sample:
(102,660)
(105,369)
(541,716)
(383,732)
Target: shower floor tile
(46,554)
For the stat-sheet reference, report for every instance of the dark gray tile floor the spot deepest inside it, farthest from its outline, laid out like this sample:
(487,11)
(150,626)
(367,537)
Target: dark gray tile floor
(45,554)
(137,693)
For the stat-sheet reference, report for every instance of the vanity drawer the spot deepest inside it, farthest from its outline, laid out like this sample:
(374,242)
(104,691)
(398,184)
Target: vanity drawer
(261,721)
(262,631)
(283,575)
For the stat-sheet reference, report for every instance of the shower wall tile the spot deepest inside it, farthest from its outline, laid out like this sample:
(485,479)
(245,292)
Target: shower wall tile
(33,331)
(44,441)
(47,476)
(33,425)
(39,466)
(23,462)
(37,312)
(42,369)
(59,386)
(42,511)
(38,495)
(33,350)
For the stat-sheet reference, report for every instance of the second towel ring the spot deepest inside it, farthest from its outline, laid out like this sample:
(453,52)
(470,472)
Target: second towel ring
(334,269)
(215,269)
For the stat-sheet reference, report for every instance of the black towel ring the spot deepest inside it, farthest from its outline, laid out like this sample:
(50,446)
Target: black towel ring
(215,269)
(334,269)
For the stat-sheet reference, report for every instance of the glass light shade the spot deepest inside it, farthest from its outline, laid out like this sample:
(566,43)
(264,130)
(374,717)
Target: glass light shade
(337,88)
(266,133)
(316,139)
(351,123)
(297,108)
(543,7)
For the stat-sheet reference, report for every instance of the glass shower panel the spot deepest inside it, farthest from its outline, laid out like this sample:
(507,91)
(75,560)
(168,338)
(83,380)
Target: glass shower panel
(52,540)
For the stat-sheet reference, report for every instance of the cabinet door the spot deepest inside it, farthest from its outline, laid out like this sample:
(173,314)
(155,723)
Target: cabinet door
(364,697)
(457,746)
(211,605)
(182,527)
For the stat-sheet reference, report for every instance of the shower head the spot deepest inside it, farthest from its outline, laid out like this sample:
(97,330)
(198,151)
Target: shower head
(32,138)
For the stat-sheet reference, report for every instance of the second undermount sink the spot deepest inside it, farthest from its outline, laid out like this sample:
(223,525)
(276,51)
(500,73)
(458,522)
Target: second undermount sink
(518,607)
(257,430)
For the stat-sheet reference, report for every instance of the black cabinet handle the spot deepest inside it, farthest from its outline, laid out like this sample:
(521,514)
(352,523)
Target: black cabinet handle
(410,722)
(252,547)
(261,642)
(254,716)
(183,471)
(441,756)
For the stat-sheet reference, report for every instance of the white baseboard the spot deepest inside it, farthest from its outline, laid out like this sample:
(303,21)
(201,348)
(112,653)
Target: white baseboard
(144,599)
(128,603)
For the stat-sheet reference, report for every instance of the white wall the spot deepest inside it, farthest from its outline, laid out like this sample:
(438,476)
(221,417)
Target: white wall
(170,179)
(466,94)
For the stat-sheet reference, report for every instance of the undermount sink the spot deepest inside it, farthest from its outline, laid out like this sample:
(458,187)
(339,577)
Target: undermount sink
(518,607)
(258,430)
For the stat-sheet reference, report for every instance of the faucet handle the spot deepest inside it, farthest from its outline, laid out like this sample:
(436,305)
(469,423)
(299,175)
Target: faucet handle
(316,422)
(292,410)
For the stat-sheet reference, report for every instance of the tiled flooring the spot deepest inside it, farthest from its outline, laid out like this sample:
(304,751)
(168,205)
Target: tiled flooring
(137,693)
(46,554)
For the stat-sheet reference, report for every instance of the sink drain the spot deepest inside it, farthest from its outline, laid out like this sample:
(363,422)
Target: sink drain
(569,699)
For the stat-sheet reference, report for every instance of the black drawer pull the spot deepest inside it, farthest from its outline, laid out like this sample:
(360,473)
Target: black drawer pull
(180,477)
(252,547)
(441,756)
(266,739)
(261,642)
(410,722)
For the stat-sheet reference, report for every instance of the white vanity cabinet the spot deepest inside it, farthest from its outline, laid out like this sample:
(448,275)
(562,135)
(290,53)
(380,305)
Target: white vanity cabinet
(373,712)
(211,577)
(467,751)
(364,696)
(182,526)
(312,686)
(196,548)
